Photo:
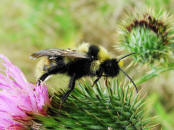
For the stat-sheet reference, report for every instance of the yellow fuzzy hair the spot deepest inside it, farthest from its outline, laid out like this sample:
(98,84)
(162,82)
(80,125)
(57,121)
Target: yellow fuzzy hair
(40,65)
(95,65)
(103,54)
(83,47)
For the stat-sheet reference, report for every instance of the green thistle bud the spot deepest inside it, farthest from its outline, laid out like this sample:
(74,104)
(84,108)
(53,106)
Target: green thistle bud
(99,108)
(149,35)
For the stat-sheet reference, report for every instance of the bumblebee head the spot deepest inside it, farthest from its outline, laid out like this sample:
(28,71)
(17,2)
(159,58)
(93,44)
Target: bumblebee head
(110,67)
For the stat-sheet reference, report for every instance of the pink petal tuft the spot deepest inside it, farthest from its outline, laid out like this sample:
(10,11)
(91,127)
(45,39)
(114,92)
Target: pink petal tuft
(17,96)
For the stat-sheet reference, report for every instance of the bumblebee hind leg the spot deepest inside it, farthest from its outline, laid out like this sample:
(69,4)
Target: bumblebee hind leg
(50,71)
(42,78)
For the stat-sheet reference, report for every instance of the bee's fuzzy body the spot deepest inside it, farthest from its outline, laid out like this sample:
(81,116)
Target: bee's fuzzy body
(98,58)
(98,63)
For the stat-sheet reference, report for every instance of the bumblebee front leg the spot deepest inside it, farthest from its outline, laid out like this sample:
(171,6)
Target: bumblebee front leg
(98,78)
(99,75)
(71,87)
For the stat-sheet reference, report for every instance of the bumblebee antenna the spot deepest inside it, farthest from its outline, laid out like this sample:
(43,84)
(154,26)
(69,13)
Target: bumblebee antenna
(125,56)
(130,79)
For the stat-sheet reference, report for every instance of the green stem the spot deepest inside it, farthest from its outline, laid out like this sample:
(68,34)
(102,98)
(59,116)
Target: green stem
(152,74)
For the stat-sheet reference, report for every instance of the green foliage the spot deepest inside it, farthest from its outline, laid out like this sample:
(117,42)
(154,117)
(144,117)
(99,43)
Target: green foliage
(155,106)
(52,19)
(107,107)
(42,23)
(153,73)
(158,4)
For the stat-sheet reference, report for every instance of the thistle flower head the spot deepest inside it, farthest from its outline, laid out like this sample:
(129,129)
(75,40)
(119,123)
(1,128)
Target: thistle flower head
(18,97)
(105,106)
(149,35)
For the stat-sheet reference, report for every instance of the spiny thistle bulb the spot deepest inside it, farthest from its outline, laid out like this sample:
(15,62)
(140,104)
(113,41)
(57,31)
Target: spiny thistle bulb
(18,98)
(105,107)
(149,35)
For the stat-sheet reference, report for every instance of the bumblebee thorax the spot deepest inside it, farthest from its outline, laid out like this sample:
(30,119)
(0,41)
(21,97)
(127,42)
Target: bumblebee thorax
(103,54)
(95,65)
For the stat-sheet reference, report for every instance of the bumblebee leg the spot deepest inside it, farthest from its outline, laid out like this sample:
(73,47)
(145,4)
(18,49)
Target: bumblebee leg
(42,78)
(51,70)
(71,87)
(99,75)
(98,78)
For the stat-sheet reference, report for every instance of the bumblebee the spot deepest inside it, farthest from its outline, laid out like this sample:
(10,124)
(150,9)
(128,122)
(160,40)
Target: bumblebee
(87,60)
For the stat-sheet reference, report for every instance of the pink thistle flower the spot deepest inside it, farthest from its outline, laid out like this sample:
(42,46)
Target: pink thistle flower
(19,98)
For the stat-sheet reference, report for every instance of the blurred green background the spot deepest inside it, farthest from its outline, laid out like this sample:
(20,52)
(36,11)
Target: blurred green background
(29,25)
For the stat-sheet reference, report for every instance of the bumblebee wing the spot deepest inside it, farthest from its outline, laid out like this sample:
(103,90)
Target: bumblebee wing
(59,52)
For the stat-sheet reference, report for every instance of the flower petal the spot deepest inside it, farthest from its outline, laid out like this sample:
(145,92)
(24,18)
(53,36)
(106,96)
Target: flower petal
(18,97)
